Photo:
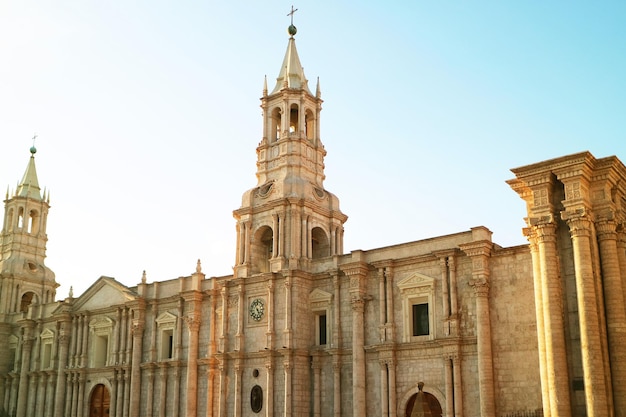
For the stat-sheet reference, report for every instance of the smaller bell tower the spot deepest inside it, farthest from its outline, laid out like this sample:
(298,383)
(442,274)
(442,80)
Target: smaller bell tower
(288,219)
(24,278)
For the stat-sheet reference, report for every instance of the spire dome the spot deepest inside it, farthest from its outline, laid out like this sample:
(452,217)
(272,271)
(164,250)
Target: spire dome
(29,185)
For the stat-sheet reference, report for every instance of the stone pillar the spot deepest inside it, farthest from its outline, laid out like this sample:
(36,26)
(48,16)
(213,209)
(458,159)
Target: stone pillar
(539,314)
(479,252)
(119,404)
(163,388)
(126,407)
(238,383)
(269,403)
(135,379)
(27,346)
(223,388)
(458,386)
(384,389)
(615,313)
(336,342)
(588,311)
(193,322)
(59,396)
(337,386)
(288,387)
(150,390)
(81,394)
(317,387)
(358,357)
(393,402)
(449,380)
(552,317)
(390,325)
(113,405)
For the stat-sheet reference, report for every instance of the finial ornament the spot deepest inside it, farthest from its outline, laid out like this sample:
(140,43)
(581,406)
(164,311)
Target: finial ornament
(71,294)
(143,277)
(292,29)
(33,150)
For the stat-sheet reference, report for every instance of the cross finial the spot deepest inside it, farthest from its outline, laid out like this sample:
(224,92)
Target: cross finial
(32,148)
(291,13)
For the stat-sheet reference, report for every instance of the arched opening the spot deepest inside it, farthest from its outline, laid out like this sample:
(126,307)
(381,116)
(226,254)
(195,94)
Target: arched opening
(423,404)
(100,401)
(261,248)
(293,119)
(20,217)
(275,125)
(33,222)
(27,300)
(9,224)
(320,245)
(309,125)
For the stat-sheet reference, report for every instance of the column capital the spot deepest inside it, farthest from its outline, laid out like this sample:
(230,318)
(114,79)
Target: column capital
(578,225)
(606,229)
(192,322)
(481,287)
(358,304)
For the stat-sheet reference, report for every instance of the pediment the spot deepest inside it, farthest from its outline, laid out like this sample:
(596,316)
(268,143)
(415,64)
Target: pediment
(317,296)
(47,334)
(166,318)
(416,280)
(105,292)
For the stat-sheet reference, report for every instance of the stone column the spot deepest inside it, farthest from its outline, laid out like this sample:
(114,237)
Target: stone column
(539,314)
(163,368)
(27,346)
(358,357)
(193,322)
(119,404)
(479,252)
(393,402)
(81,394)
(615,313)
(336,342)
(288,387)
(223,388)
(458,386)
(390,325)
(337,386)
(59,396)
(554,326)
(238,376)
(317,387)
(384,389)
(449,380)
(150,390)
(135,379)
(588,311)
(113,405)
(269,406)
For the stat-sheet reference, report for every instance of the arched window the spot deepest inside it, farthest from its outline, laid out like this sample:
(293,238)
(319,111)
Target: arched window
(262,247)
(320,246)
(33,222)
(27,300)
(275,125)
(293,119)
(309,125)
(20,217)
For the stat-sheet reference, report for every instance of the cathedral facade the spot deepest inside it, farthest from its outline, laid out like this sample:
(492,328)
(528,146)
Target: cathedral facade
(451,326)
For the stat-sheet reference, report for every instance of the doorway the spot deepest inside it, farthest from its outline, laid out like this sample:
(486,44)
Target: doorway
(100,402)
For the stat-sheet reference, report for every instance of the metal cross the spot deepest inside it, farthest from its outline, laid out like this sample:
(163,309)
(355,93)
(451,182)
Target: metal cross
(34,137)
(291,13)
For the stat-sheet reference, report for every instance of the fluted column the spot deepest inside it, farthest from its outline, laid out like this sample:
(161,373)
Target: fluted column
(590,341)
(384,389)
(135,379)
(615,312)
(479,253)
(27,346)
(193,322)
(539,314)
(554,326)
(317,388)
(337,386)
(393,401)
(59,396)
(449,381)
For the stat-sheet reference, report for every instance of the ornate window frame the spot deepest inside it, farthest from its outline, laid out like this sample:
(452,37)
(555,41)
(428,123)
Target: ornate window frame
(166,325)
(320,303)
(417,289)
(101,329)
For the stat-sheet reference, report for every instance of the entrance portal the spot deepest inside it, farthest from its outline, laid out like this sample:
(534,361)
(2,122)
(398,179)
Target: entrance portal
(100,402)
(423,404)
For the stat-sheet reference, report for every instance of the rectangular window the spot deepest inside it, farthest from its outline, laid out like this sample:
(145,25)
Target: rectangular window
(47,355)
(167,344)
(101,351)
(321,325)
(420,320)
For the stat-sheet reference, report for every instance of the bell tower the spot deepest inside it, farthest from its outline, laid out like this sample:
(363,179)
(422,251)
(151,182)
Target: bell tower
(24,278)
(288,219)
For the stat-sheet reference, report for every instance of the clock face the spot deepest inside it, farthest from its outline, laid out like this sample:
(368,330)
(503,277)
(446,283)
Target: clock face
(256,309)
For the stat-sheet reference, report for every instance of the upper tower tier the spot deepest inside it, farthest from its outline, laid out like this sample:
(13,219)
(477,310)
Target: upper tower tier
(288,219)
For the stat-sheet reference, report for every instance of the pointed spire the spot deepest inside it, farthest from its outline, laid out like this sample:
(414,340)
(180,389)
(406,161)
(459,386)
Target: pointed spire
(318,91)
(291,72)
(29,186)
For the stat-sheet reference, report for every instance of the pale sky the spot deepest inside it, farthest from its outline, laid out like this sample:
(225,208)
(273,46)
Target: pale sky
(147,115)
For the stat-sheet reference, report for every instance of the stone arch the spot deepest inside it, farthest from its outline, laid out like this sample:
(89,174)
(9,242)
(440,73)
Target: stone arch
(28,298)
(310,125)
(410,395)
(294,119)
(320,244)
(275,123)
(261,249)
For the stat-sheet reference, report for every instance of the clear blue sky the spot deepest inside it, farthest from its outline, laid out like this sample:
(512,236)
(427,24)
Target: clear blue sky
(148,116)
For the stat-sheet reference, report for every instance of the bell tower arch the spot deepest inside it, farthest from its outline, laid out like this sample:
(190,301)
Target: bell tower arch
(289,218)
